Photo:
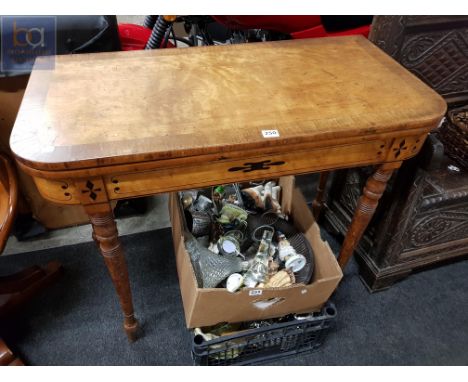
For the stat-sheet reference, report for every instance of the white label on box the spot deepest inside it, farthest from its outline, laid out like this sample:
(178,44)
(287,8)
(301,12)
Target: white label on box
(255,292)
(270,133)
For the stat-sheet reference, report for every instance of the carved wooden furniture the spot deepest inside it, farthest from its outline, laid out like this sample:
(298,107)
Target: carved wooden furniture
(7,358)
(434,48)
(102,127)
(454,135)
(8,199)
(16,289)
(423,217)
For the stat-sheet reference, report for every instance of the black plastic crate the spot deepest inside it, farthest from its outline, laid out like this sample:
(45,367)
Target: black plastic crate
(266,343)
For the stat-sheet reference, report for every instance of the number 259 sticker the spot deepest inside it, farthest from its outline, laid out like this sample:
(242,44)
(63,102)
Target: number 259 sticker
(270,133)
(255,292)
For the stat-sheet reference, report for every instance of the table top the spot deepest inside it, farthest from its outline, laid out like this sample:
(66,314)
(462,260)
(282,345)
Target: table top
(127,107)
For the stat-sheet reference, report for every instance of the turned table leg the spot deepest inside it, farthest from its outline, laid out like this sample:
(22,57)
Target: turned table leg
(105,234)
(373,190)
(317,204)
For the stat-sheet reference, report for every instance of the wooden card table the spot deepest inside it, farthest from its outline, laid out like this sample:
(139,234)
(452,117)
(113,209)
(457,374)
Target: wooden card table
(108,126)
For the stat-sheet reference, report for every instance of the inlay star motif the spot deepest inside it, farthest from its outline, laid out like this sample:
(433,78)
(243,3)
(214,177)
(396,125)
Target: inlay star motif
(253,166)
(91,189)
(400,148)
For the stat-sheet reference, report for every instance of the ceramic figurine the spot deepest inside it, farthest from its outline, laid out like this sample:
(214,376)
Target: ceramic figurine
(288,254)
(273,266)
(273,205)
(265,197)
(256,194)
(231,212)
(231,199)
(233,195)
(217,196)
(234,282)
(283,278)
(203,336)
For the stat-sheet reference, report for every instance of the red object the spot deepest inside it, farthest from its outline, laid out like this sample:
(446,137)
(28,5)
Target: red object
(134,37)
(297,26)
(283,24)
(319,31)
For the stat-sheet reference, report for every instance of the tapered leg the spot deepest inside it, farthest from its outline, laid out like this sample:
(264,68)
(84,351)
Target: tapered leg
(106,235)
(317,204)
(366,207)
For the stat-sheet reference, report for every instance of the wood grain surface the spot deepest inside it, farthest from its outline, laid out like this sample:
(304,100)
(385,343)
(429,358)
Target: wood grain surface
(128,107)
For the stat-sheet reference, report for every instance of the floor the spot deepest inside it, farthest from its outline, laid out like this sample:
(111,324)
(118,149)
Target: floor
(157,217)
(422,320)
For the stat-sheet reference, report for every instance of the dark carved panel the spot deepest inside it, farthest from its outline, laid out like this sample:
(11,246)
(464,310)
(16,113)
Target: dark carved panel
(423,216)
(438,227)
(351,191)
(435,48)
(437,212)
(387,33)
(454,135)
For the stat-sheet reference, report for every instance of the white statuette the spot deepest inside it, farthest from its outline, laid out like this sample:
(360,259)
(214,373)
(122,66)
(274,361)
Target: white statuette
(295,262)
(234,282)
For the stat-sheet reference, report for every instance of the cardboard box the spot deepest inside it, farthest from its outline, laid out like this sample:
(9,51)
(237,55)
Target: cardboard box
(210,306)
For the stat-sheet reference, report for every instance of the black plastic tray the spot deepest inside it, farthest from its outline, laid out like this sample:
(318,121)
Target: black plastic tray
(264,344)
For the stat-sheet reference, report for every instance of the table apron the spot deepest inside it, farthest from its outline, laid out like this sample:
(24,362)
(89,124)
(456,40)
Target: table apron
(133,184)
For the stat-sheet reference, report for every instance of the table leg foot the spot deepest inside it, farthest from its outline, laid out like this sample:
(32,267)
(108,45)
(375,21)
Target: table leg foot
(132,328)
(106,235)
(366,207)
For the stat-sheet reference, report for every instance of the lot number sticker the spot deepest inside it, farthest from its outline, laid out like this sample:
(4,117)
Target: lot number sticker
(270,133)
